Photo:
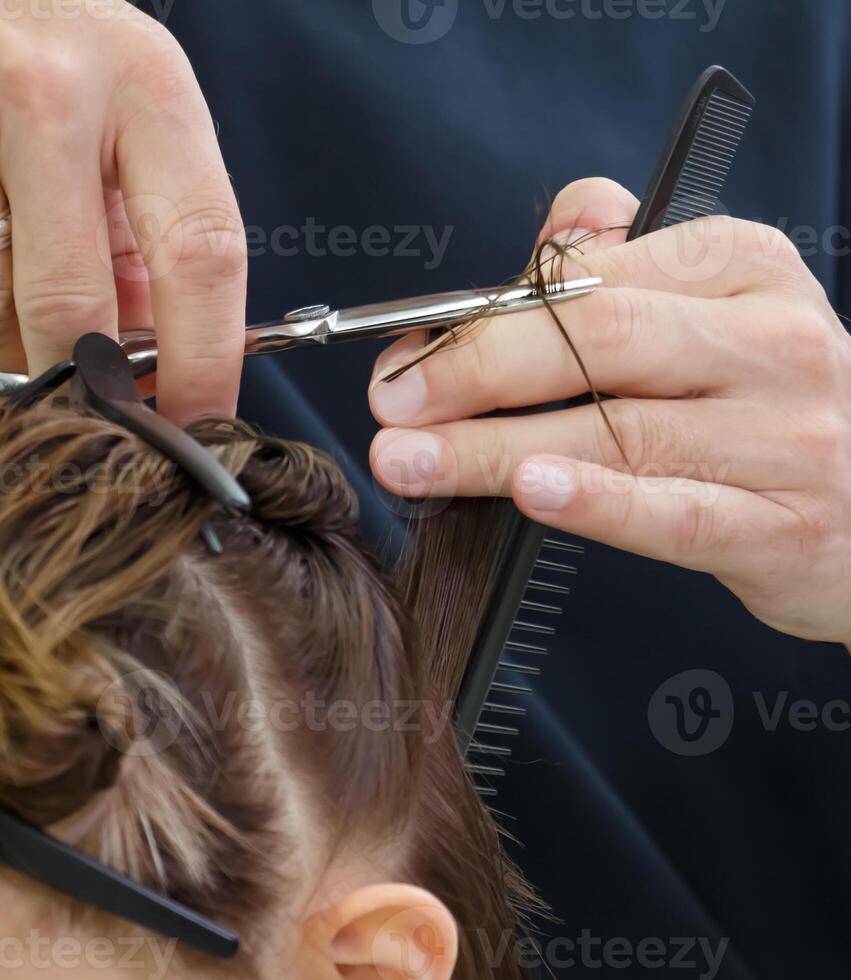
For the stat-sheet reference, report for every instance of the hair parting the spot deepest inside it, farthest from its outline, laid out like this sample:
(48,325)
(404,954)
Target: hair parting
(124,642)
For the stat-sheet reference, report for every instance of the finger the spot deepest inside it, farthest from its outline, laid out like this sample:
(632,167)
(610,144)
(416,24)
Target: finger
(184,216)
(717,441)
(585,207)
(632,342)
(120,248)
(696,525)
(62,287)
(128,265)
(12,356)
(709,257)
(578,212)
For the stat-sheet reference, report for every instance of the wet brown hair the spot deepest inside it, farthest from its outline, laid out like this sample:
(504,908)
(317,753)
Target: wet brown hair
(450,570)
(121,636)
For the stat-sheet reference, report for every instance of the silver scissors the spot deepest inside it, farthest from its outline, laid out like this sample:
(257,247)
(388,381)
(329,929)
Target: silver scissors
(321,326)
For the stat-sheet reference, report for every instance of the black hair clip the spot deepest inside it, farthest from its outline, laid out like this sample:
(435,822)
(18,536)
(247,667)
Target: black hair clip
(101,375)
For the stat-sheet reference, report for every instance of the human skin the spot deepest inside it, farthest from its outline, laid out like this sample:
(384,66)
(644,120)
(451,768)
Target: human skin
(354,922)
(123,214)
(734,377)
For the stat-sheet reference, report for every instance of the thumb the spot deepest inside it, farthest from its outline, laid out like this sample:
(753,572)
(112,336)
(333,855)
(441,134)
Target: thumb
(587,206)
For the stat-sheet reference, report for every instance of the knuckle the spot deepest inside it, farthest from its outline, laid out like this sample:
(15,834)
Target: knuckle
(476,370)
(817,525)
(202,366)
(806,340)
(825,446)
(211,238)
(805,345)
(693,250)
(162,64)
(769,252)
(696,527)
(619,323)
(43,81)
(629,506)
(495,452)
(775,243)
(649,440)
(623,418)
(718,229)
(159,83)
(60,314)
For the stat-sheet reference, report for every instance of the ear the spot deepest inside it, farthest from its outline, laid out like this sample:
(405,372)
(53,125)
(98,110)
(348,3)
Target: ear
(385,932)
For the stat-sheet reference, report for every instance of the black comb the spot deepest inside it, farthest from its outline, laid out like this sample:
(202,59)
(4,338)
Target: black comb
(534,564)
(533,568)
(691,173)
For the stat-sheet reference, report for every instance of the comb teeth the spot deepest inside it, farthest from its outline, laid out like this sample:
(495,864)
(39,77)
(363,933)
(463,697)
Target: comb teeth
(529,631)
(490,749)
(709,160)
(527,647)
(534,628)
(541,607)
(504,709)
(537,585)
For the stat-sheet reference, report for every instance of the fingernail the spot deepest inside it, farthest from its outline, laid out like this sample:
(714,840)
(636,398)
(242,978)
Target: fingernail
(409,460)
(546,486)
(400,401)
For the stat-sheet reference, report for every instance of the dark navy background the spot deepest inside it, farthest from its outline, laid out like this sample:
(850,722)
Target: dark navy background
(325,116)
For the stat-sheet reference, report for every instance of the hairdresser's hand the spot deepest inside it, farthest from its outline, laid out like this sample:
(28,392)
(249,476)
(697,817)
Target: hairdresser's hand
(735,412)
(123,214)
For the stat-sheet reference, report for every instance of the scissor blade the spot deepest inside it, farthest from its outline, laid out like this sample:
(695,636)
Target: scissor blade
(448,309)
(363,322)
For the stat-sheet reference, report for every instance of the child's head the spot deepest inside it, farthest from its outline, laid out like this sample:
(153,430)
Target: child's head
(256,734)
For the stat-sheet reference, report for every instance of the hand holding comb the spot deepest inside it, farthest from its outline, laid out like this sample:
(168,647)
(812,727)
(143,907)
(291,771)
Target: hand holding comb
(530,564)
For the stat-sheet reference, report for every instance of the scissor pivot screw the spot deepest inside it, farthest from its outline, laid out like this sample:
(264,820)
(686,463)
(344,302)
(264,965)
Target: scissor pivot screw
(305,313)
